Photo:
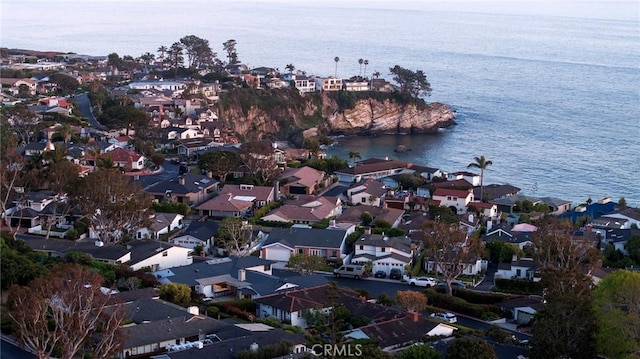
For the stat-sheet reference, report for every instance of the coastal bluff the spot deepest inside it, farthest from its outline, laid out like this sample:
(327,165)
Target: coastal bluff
(374,117)
(285,114)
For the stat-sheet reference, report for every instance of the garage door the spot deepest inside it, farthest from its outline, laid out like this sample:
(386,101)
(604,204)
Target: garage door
(278,254)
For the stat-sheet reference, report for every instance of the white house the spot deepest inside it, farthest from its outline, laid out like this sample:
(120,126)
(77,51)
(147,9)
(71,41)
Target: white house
(157,255)
(523,268)
(384,253)
(470,177)
(161,223)
(455,199)
(472,267)
(486,210)
(370,192)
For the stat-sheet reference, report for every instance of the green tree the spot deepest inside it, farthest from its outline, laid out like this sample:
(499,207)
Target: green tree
(633,247)
(176,293)
(305,263)
(290,68)
(419,352)
(470,348)
(412,83)
(617,306)
(198,51)
(450,249)
(482,164)
(366,218)
(220,163)
(232,55)
(66,84)
(410,180)
(157,159)
(386,300)
(113,205)
(622,203)
(234,235)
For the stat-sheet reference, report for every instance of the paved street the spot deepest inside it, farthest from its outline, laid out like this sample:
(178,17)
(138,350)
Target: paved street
(85,108)
(375,287)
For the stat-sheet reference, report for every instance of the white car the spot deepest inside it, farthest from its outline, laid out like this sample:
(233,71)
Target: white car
(445,317)
(422,281)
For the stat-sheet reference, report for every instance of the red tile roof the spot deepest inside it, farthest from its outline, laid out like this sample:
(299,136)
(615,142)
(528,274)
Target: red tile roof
(451,192)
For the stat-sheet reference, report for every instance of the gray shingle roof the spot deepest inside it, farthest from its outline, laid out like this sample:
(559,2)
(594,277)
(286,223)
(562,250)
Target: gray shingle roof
(190,274)
(307,237)
(193,183)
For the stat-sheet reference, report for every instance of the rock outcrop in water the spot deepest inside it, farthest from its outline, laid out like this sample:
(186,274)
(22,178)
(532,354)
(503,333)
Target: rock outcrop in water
(285,114)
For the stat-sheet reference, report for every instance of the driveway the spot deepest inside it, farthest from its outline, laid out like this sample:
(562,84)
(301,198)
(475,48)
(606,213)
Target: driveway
(487,283)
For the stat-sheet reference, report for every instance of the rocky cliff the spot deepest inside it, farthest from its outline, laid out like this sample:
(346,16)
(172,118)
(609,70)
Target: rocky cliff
(284,114)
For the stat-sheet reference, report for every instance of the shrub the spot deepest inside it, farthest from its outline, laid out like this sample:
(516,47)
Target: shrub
(460,305)
(518,286)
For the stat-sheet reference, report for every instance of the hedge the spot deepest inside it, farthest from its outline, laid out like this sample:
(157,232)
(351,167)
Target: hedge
(518,286)
(460,305)
(477,297)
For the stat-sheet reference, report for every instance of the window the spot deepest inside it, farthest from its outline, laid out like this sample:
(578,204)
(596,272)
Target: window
(361,248)
(165,254)
(363,200)
(383,249)
(300,251)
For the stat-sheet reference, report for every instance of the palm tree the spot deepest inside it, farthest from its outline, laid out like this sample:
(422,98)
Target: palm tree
(481,163)
(360,61)
(376,74)
(291,68)
(336,59)
(353,155)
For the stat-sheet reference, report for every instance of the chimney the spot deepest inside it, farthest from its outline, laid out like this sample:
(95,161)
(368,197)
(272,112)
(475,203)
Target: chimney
(367,230)
(589,228)
(470,218)
(489,225)
(415,316)
(209,174)
(242,275)
(181,180)
(514,257)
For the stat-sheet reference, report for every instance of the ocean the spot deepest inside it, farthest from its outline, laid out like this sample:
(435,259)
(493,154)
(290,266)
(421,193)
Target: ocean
(548,91)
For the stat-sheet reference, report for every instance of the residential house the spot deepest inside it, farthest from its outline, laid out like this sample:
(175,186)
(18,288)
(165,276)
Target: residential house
(328,243)
(15,85)
(278,83)
(328,83)
(161,223)
(522,309)
(523,268)
(618,238)
(190,188)
(374,168)
(557,206)
(460,184)
(630,215)
(303,84)
(384,253)
(350,85)
(38,148)
(125,159)
(430,173)
(456,200)
(305,210)
(197,234)
(472,267)
(239,337)
(488,211)
(401,332)
(237,200)
(58,248)
(292,306)
(370,192)
(227,205)
(157,324)
(493,191)
(303,180)
(507,204)
(506,234)
(353,215)
(382,85)
(236,278)
(157,255)
(190,147)
(470,177)
(469,222)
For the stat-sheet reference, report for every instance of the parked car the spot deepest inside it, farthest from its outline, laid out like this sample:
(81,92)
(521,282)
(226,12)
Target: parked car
(445,317)
(395,273)
(454,284)
(380,274)
(422,282)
